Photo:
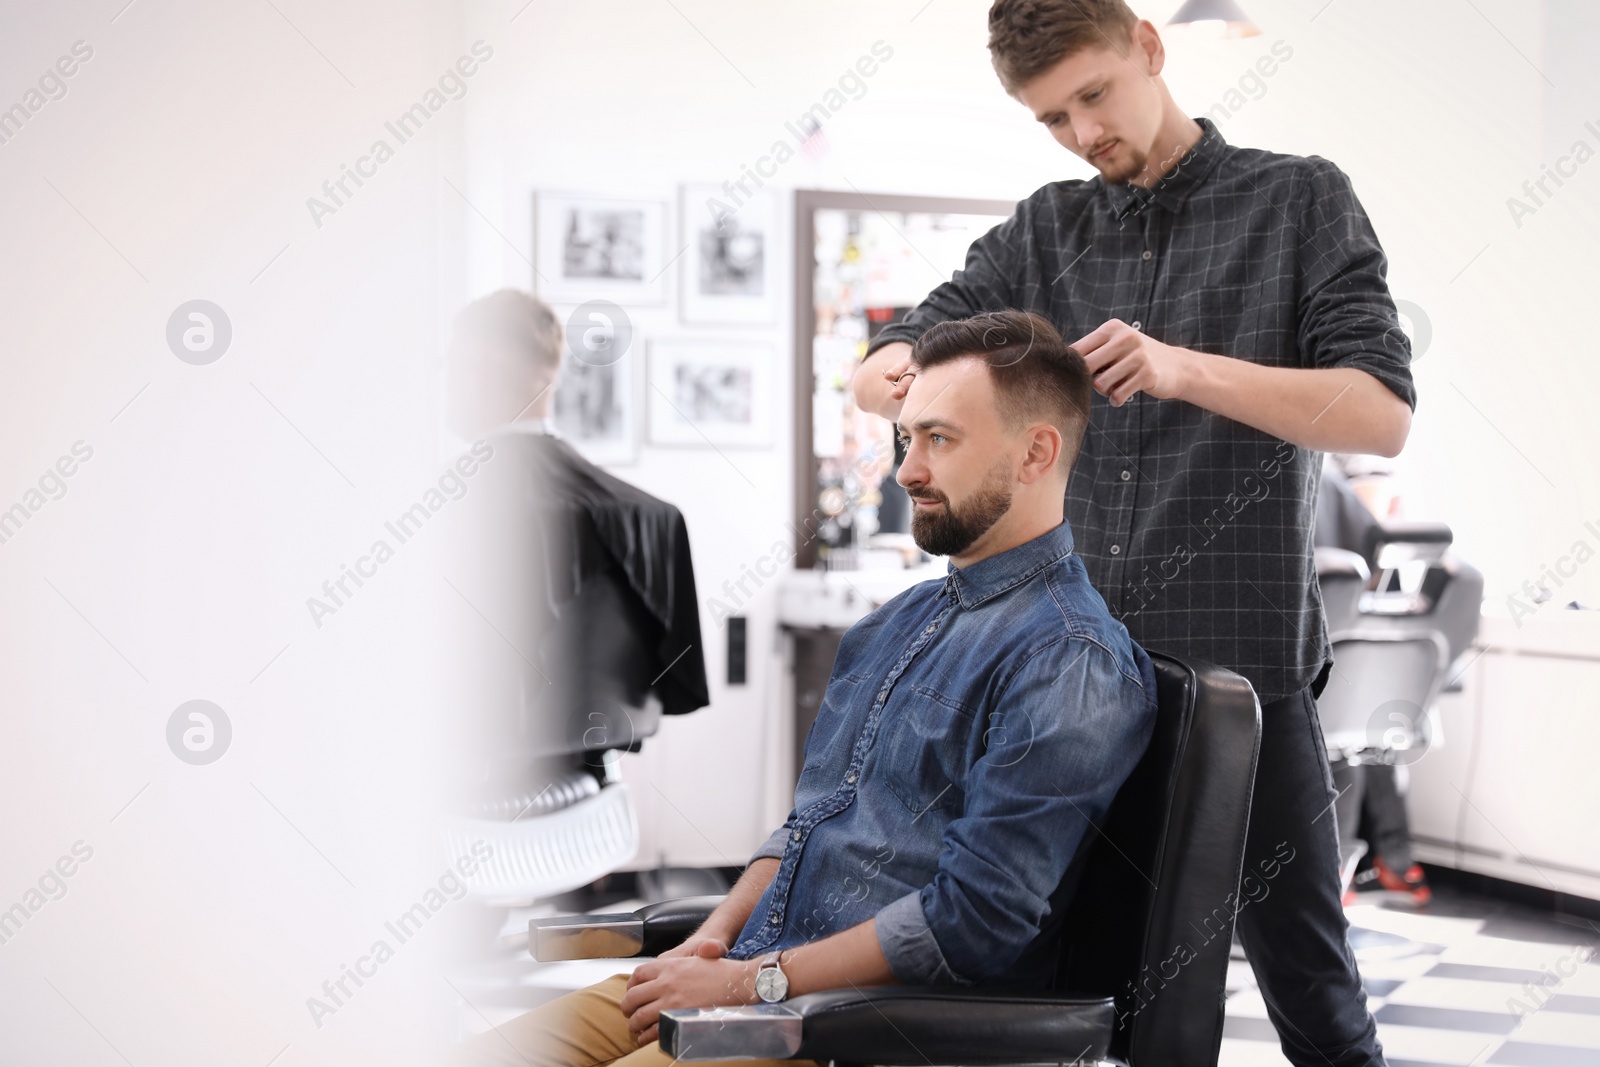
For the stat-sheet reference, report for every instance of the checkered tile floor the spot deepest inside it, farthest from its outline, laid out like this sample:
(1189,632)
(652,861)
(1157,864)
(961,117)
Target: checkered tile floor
(1464,982)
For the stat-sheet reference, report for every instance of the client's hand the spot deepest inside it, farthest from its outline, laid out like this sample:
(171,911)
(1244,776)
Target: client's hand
(700,981)
(700,945)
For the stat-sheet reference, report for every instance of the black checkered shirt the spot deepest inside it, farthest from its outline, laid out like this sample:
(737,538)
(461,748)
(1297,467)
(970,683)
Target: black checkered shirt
(1197,529)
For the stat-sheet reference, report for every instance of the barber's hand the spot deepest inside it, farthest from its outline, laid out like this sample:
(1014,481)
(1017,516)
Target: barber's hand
(684,982)
(900,375)
(1125,361)
(881,382)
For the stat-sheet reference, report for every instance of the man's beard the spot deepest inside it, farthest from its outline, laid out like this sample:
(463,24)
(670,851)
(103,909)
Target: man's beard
(1136,164)
(949,531)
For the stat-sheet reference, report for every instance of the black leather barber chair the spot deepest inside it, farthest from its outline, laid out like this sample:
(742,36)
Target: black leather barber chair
(1144,948)
(590,586)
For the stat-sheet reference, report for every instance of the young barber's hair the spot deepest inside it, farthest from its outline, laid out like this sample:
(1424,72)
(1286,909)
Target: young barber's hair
(1037,376)
(1028,37)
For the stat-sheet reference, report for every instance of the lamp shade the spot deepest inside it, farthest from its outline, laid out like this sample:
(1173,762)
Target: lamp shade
(1223,17)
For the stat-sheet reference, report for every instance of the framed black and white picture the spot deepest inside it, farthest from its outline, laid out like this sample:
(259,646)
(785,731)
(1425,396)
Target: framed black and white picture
(595,406)
(592,247)
(710,392)
(730,264)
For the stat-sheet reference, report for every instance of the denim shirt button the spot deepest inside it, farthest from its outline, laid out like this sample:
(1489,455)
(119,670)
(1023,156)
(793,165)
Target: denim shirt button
(850,778)
(795,835)
(774,920)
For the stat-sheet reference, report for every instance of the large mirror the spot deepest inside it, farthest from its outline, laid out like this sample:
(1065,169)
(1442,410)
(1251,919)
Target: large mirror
(862,262)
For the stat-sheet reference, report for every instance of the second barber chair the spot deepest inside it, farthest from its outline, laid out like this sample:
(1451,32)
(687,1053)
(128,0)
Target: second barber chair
(1394,640)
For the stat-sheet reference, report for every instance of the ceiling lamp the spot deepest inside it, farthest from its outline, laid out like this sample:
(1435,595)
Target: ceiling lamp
(1219,18)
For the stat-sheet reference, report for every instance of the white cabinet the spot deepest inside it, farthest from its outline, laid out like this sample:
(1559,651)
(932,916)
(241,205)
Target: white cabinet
(1514,790)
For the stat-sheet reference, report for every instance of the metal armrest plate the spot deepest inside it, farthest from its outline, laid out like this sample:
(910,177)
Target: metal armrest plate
(585,937)
(759,1031)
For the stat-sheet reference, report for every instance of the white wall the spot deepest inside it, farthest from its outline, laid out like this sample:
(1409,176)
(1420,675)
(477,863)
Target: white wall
(217,899)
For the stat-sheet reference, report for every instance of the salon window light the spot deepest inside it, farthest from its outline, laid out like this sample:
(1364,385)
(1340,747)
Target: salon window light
(1215,18)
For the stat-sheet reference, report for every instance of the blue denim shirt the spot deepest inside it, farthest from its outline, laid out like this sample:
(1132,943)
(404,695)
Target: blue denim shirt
(972,730)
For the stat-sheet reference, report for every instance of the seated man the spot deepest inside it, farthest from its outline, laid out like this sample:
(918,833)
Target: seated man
(972,731)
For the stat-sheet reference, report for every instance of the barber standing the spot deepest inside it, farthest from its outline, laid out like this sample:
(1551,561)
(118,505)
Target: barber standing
(1232,305)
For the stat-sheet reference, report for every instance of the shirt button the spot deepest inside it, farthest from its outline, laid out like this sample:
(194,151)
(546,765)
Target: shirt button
(1116,550)
(851,778)
(1146,254)
(795,835)
(774,920)
(1126,476)
(1137,325)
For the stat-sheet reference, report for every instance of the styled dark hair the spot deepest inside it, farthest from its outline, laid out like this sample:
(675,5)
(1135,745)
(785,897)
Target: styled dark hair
(1037,376)
(1028,37)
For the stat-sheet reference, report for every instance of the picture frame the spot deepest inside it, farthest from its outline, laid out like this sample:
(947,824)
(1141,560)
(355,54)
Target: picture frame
(730,262)
(596,403)
(589,247)
(704,392)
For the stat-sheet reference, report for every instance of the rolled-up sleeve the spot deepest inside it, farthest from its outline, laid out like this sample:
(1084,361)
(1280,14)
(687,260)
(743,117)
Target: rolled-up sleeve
(772,846)
(984,284)
(1070,728)
(1347,315)
(908,944)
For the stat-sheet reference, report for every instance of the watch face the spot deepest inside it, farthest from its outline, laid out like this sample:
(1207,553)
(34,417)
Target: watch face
(771,984)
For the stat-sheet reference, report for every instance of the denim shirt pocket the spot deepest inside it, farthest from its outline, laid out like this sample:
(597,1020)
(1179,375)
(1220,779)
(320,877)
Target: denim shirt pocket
(924,749)
(832,737)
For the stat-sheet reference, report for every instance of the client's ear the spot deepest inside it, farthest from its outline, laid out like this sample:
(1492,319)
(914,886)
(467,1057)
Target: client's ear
(1044,452)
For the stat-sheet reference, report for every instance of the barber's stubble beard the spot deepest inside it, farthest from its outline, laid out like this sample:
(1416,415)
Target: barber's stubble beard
(1135,165)
(950,531)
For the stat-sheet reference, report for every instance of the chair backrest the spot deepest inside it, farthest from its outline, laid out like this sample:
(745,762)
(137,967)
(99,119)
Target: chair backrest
(1385,677)
(1150,922)
(1458,608)
(1451,602)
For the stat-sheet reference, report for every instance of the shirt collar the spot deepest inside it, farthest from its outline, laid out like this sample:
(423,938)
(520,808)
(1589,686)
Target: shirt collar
(977,582)
(1173,187)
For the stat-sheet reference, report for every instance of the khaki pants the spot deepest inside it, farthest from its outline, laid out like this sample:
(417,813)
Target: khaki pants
(585,1028)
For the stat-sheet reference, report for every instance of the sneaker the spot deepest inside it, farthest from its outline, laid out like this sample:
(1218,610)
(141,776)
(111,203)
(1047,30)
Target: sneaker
(1412,884)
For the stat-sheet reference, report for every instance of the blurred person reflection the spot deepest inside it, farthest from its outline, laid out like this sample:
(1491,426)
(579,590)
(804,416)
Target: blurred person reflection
(586,581)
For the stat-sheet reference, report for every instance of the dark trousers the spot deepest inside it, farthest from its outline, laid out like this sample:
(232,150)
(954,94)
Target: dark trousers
(1291,923)
(1371,809)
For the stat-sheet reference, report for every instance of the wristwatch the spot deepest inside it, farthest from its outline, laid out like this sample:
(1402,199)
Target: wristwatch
(772,985)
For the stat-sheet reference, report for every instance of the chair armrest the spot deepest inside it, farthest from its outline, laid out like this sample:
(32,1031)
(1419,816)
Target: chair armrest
(649,931)
(1339,563)
(889,1025)
(1400,542)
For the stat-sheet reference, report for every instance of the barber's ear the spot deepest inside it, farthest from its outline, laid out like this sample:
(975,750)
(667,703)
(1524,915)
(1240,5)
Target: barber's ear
(1146,40)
